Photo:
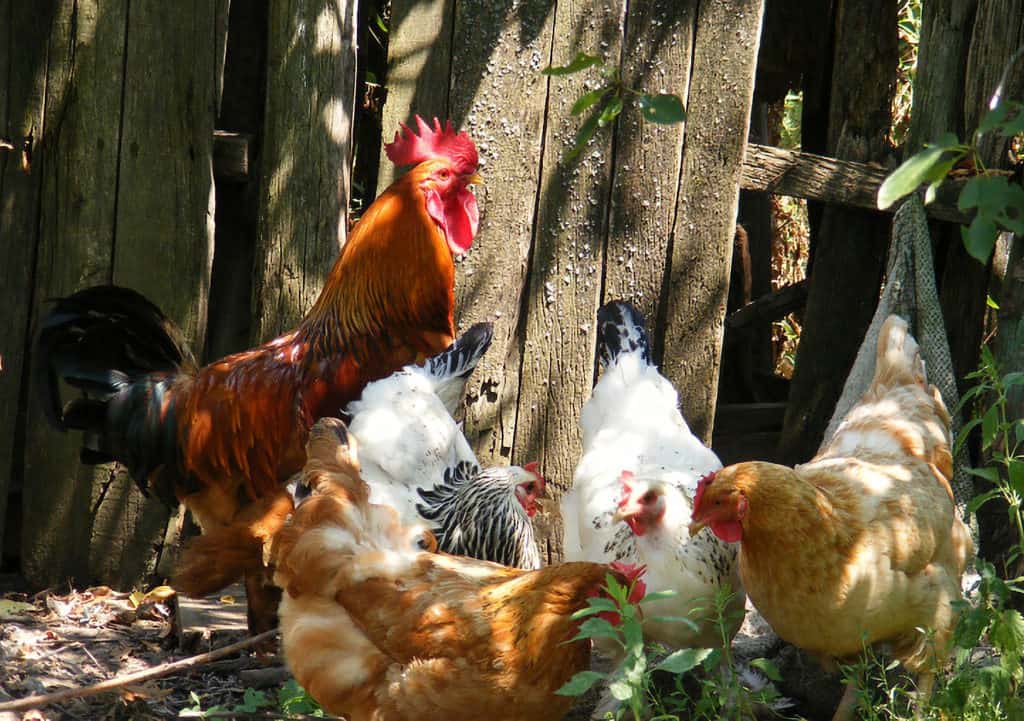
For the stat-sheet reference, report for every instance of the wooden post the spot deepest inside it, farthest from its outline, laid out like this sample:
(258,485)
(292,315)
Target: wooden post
(419,65)
(77,160)
(498,54)
(127,191)
(24,30)
(307,150)
(850,246)
(718,118)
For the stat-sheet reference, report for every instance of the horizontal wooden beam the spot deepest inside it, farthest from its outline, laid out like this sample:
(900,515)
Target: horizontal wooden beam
(768,308)
(817,177)
(772,170)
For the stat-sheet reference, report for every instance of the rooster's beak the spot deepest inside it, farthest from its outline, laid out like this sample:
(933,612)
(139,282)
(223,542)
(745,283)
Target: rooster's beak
(627,510)
(475,179)
(696,527)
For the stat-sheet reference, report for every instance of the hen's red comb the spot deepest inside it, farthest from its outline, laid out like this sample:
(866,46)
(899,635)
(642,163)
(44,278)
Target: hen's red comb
(629,571)
(410,147)
(534,468)
(703,483)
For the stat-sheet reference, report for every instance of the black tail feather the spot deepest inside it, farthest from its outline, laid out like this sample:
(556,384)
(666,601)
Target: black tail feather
(461,357)
(122,352)
(621,329)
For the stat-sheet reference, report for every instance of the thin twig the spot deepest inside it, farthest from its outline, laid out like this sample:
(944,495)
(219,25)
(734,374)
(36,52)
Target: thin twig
(276,715)
(139,676)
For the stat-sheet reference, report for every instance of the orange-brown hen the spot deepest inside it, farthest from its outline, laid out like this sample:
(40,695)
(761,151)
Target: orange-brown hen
(862,544)
(377,627)
(223,438)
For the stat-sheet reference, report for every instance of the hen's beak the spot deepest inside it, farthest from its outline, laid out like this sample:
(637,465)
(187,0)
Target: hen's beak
(627,510)
(696,526)
(475,179)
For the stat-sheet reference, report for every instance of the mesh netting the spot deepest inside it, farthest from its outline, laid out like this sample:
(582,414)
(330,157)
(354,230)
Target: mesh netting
(910,293)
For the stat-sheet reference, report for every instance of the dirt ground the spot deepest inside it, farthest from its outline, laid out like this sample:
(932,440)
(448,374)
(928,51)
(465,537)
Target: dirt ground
(57,640)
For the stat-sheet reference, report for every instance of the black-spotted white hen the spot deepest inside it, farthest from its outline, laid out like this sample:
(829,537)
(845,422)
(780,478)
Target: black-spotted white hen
(416,459)
(633,487)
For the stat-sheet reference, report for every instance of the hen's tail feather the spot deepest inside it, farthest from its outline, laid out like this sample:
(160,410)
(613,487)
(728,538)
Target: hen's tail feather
(451,367)
(223,555)
(899,357)
(124,354)
(621,329)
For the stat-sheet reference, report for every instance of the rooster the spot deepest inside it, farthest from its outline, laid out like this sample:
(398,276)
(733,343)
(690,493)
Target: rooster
(632,489)
(224,437)
(861,545)
(377,627)
(416,459)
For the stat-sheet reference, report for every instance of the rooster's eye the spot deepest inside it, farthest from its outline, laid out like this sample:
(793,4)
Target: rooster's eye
(443,175)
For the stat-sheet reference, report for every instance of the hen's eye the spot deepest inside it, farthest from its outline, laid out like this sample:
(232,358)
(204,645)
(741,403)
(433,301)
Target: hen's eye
(422,543)
(443,175)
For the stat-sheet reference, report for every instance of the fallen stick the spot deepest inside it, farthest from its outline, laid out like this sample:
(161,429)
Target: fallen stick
(166,669)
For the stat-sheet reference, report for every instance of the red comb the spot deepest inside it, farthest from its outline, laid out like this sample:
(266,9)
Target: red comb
(703,483)
(629,571)
(625,477)
(410,147)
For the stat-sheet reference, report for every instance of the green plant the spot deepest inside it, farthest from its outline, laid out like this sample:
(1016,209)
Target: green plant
(607,101)
(720,692)
(292,702)
(998,204)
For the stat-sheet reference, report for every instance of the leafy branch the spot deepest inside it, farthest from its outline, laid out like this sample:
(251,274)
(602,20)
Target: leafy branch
(607,101)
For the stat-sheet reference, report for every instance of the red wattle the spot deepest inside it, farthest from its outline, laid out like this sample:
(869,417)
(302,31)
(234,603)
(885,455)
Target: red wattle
(728,531)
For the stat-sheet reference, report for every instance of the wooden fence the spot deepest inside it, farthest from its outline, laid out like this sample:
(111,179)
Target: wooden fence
(121,101)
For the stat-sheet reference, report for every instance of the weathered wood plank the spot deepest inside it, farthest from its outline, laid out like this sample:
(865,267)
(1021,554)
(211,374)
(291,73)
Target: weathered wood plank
(77,160)
(499,50)
(419,64)
(306,161)
(718,118)
(648,158)
(770,307)
(939,82)
(832,180)
(568,254)
(23,33)
(850,246)
(164,232)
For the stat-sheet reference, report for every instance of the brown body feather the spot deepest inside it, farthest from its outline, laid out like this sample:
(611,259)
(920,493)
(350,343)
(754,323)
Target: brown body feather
(861,544)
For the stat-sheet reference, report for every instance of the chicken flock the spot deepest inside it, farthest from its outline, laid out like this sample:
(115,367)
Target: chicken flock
(327,469)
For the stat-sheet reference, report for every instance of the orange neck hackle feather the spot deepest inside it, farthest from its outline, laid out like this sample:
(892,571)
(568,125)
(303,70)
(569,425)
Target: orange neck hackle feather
(394,273)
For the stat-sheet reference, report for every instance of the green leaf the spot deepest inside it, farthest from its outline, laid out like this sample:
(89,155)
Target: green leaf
(683,660)
(582,61)
(583,136)
(253,700)
(597,605)
(981,499)
(768,668)
(989,426)
(633,631)
(657,596)
(663,108)
(1013,379)
(620,690)
(988,193)
(580,683)
(596,628)
(588,100)
(1018,430)
(979,238)
(994,118)
(916,169)
(675,619)
(991,303)
(989,474)
(611,111)
(1015,472)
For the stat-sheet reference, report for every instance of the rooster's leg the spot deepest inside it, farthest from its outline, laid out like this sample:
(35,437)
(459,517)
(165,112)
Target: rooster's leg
(263,598)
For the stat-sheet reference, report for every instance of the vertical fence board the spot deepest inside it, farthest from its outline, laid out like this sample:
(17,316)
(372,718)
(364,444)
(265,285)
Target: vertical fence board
(564,281)
(419,60)
(659,41)
(23,43)
(501,49)
(718,106)
(77,160)
(307,150)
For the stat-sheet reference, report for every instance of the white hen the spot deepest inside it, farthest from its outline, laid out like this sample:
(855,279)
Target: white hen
(633,487)
(416,459)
